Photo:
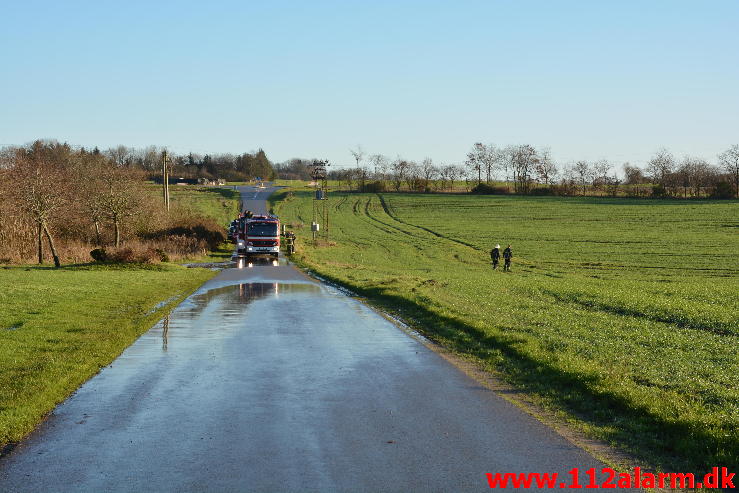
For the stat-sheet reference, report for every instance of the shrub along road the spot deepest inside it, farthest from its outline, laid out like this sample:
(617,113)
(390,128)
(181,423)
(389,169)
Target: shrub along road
(264,380)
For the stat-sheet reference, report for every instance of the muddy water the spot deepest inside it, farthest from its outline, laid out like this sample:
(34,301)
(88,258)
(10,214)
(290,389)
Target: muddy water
(264,380)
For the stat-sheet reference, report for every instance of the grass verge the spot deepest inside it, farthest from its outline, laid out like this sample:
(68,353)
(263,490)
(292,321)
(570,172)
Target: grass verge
(59,327)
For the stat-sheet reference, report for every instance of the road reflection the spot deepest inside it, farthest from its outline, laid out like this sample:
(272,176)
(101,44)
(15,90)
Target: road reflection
(165,332)
(218,313)
(251,291)
(244,263)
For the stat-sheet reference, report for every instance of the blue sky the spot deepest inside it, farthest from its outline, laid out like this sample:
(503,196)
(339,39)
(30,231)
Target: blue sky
(589,79)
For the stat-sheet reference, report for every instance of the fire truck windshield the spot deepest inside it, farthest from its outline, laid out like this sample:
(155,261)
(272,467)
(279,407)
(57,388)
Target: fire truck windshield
(262,229)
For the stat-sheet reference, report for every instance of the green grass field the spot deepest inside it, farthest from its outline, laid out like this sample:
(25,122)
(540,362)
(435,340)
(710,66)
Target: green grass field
(220,203)
(58,327)
(622,314)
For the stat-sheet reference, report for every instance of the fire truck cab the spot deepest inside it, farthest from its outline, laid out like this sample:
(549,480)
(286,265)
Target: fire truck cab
(258,235)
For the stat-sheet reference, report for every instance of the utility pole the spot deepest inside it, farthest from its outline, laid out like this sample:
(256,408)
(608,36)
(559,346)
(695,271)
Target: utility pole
(320,201)
(165,179)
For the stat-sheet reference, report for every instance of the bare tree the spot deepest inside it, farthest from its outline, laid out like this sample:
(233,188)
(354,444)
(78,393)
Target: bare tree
(583,172)
(379,163)
(545,169)
(294,169)
(360,173)
(152,158)
(568,180)
(121,155)
(601,170)
(684,174)
(490,157)
(413,176)
(384,170)
(358,154)
(693,175)
(428,172)
(524,159)
(448,174)
(400,170)
(476,159)
(362,176)
(454,172)
(507,165)
(89,168)
(120,197)
(348,176)
(660,166)
(613,183)
(443,173)
(729,160)
(633,175)
(39,186)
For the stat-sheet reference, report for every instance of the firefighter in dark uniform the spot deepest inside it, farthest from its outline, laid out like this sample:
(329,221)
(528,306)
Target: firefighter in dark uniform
(495,255)
(507,256)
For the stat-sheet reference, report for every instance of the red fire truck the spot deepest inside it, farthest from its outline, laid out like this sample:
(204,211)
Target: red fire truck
(258,235)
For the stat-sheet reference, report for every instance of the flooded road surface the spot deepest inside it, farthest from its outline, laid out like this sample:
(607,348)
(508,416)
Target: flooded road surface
(264,380)
(254,198)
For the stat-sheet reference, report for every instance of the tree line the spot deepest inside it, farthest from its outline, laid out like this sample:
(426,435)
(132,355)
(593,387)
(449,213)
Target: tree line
(231,167)
(524,169)
(64,200)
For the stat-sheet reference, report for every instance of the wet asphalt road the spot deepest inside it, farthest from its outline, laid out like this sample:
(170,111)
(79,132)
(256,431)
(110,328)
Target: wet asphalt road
(254,199)
(264,380)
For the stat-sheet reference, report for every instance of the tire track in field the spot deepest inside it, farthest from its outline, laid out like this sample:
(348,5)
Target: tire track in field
(368,215)
(337,205)
(438,235)
(356,209)
(383,226)
(356,205)
(388,229)
(375,220)
(392,227)
(414,244)
(337,208)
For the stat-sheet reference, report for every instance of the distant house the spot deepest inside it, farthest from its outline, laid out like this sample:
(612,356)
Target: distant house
(176,181)
(189,181)
(206,181)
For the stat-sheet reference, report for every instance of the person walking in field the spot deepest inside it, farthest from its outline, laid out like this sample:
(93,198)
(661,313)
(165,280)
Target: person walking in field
(495,255)
(507,256)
